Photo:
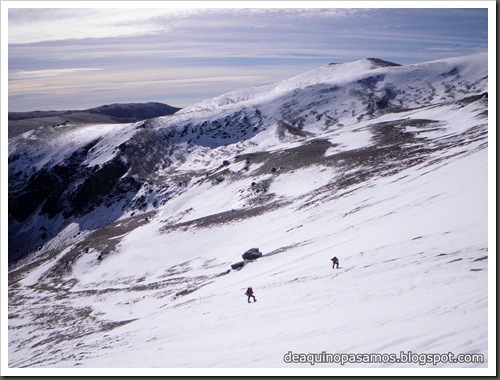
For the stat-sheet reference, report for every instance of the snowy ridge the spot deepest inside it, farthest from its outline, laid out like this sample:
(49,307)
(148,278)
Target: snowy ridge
(347,73)
(383,166)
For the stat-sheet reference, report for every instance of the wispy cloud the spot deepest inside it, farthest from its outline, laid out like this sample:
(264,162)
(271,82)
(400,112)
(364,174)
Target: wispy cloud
(104,55)
(48,73)
(44,25)
(166,84)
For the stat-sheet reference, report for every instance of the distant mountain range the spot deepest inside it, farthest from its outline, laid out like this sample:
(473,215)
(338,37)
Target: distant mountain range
(20,122)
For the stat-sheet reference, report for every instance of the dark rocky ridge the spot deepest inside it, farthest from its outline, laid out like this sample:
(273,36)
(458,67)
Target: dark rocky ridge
(20,122)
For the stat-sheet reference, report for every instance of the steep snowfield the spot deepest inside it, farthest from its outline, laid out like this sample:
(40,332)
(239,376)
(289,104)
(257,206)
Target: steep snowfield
(397,191)
(413,275)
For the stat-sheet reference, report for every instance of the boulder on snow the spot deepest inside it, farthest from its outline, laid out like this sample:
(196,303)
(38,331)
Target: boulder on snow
(252,254)
(238,265)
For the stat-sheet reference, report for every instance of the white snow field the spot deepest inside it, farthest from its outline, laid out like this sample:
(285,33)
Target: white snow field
(410,231)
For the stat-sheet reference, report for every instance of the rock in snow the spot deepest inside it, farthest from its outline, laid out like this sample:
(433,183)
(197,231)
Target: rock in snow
(252,254)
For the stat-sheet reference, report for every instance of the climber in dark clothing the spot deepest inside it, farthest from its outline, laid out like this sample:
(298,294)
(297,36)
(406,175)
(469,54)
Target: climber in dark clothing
(249,293)
(335,262)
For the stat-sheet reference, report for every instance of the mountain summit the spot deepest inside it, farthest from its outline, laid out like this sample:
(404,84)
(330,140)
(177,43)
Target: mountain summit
(126,240)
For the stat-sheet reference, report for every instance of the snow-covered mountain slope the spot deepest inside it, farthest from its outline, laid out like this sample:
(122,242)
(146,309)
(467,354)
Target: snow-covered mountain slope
(383,166)
(73,170)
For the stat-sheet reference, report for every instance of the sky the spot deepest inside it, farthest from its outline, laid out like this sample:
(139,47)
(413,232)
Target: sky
(78,55)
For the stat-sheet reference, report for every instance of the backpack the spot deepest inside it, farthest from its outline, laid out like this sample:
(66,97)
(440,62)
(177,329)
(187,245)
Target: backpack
(249,292)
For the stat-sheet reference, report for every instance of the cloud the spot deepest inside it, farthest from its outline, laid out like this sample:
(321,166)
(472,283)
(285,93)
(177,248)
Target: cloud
(33,74)
(28,26)
(179,85)
(66,24)
(103,55)
(415,37)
